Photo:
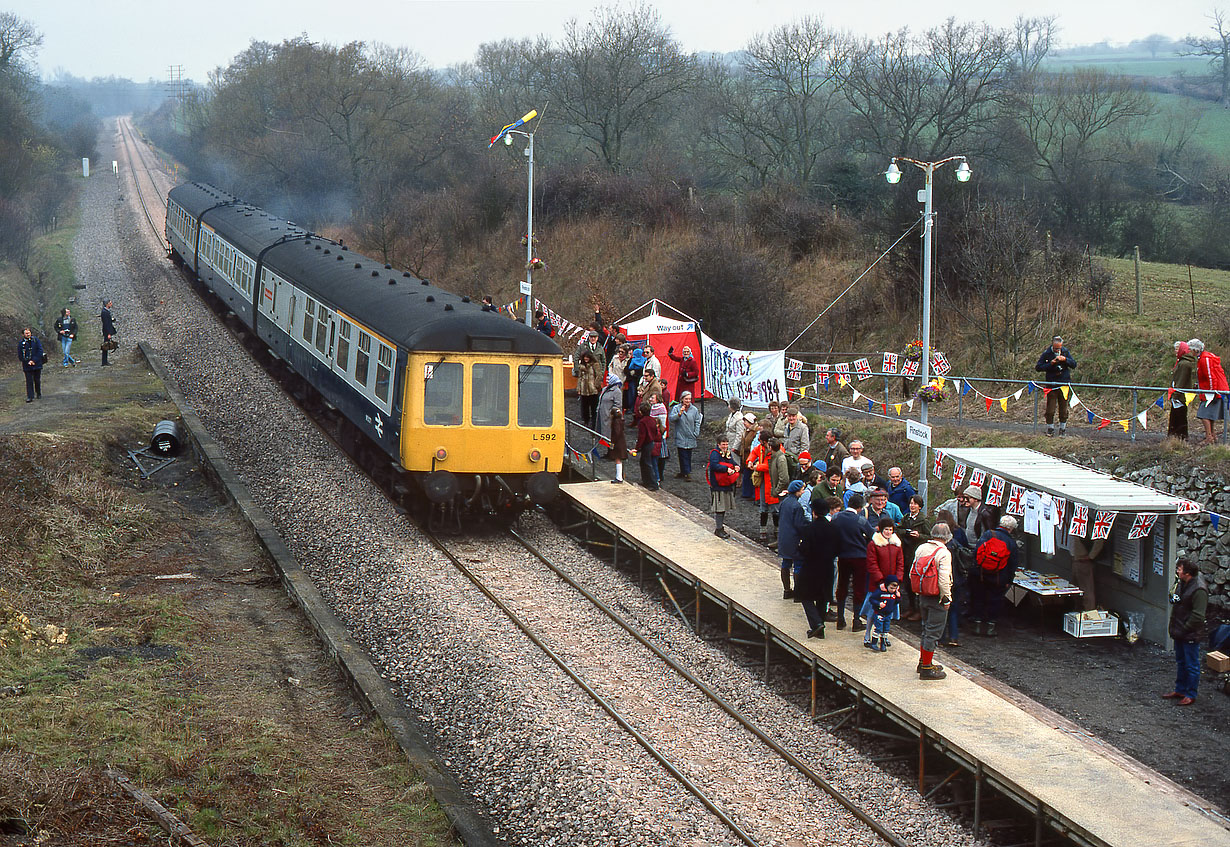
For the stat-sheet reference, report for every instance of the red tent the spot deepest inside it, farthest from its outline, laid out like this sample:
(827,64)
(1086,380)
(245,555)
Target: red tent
(663,332)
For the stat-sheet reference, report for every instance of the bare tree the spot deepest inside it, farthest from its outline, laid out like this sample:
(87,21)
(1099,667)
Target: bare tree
(1217,48)
(784,105)
(17,37)
(617,75)
(507,78)
(926,96)
(1031,41)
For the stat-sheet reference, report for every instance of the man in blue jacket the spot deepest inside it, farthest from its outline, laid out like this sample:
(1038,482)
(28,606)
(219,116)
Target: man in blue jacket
(1057,362)
(790,533)
(853,534)
(30,351)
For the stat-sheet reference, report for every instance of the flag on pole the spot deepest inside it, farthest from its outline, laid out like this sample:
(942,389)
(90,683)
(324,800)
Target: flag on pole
(519,122)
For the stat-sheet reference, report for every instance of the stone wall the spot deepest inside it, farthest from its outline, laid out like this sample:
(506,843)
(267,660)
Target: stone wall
(1198,540)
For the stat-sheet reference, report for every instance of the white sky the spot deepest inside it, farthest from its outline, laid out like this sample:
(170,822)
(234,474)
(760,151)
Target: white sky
(140,40)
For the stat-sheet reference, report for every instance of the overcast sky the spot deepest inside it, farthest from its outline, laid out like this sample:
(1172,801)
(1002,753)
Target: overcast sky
(141,40)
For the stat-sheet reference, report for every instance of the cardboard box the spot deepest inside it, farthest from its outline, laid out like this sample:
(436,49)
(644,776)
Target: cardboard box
(1090,624)
(1217,662)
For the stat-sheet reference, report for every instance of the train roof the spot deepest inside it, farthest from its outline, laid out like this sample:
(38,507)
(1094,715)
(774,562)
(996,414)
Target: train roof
(396,304)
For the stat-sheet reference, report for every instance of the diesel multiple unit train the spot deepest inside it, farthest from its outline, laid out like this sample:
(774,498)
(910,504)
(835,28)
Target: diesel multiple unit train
(467,404)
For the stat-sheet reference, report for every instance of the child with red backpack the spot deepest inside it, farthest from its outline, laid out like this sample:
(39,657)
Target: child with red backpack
(1211,380)
(995,564)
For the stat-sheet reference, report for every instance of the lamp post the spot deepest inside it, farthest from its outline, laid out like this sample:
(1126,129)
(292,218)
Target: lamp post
(893,176)
(507,133)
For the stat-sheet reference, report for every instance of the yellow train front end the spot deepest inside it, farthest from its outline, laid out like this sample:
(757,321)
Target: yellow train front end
(484,430)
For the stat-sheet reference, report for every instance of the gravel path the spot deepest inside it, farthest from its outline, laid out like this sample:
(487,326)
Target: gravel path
(547,762)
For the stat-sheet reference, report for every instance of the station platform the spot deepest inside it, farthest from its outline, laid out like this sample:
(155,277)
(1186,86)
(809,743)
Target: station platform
(1072,783)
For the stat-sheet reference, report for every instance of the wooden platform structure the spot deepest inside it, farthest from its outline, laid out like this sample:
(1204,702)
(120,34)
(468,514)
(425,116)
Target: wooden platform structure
(1072,784)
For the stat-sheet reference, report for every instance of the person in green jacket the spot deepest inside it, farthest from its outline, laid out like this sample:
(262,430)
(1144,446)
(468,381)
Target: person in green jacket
(1189,605)
(1182,382)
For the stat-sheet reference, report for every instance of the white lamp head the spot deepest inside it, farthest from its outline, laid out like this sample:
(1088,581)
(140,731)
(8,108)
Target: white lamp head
(893,174)
(963,172)
(508,139)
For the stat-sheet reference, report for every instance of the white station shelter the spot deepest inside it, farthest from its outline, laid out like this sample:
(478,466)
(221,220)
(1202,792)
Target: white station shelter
(1133,574)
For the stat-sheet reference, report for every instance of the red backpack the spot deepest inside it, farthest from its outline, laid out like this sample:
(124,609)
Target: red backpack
(925,574)
(992,554)
(725,478)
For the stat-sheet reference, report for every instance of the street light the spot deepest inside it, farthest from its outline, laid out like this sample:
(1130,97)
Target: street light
(507,133)
(893,176)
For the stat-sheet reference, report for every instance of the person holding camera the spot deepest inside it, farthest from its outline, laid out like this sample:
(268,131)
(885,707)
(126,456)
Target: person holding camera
(1057,363)
(1188,605)
(66,329)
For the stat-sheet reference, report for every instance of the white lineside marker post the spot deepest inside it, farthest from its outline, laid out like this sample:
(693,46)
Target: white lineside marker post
(85,168)
(115,167)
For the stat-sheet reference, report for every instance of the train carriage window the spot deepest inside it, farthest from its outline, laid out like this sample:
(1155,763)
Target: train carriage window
(362,358)
(309,319)
(384,372)
(489,395)
(343,346)
(442,388)
(534,398)
(322,328)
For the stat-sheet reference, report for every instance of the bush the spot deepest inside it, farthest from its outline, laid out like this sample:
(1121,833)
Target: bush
(783,217)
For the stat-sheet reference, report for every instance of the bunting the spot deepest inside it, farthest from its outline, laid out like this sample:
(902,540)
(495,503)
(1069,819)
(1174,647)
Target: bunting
(958,474)
(1102,524)
(1016,504)
(1141,526)
(978,477)
(910,368)
(996,495)
(890,363)
(794,369)
(940,364)
(1080,520)
(937,469)
(863,368)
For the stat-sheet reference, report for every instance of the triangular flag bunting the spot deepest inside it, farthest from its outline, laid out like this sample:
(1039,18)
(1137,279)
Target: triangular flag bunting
(1141,418)
(897,407)
(989,402)
(1124,423)
(1089,415)
(1105,423)
(1065,390)
(1215,519)
(1075,401)
(1160,402)
(869,404)
(1188,397)
(1018,394)
(910,405)
(856,396)
(1003,403)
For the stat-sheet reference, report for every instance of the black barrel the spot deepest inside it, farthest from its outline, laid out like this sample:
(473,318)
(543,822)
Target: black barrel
(165,440)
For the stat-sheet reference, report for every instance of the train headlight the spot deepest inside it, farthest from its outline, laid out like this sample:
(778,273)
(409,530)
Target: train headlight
(441,454)
(535,455)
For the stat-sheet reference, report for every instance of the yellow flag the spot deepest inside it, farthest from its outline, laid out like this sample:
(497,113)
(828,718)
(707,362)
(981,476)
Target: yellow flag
(1188,397)
(1124,424)
(1003,403)
(1066,391)
(803,391)
(897,408)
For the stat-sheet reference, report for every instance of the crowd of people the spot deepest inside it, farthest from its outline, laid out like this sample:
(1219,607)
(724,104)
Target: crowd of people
(33,356)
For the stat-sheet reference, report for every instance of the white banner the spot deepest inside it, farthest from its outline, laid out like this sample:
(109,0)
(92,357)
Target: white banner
(755,377)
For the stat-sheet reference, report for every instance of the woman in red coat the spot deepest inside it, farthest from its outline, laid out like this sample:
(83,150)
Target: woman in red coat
(884,558)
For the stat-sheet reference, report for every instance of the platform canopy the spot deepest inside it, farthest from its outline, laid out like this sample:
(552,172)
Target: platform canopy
(1031,469)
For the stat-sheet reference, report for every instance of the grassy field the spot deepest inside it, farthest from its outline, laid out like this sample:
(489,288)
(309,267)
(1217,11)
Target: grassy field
(1131,64)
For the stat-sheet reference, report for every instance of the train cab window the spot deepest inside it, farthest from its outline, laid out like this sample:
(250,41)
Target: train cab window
(489,395)
(384,373)
(343,346)
(442,387)
(362,358)
(534,396)
(309,319)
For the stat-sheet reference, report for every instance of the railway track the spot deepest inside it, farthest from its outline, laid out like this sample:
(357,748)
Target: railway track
(533,558)
(134,148)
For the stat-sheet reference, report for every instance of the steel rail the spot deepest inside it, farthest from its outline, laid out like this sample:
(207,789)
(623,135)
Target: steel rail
(746,722)
(130,147)
(606,706)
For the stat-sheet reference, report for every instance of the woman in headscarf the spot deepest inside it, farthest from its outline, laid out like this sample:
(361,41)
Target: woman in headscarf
(1182,382)
(657,408)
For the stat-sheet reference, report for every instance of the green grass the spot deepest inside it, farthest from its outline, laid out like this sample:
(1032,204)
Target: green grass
(22,301)
(1138,64)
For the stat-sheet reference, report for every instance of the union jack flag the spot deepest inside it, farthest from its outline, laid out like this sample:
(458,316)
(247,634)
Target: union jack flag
(910,367)
(1102,524)
(1142,526)
(940,364)
(1015,504)
(997,492)
(863,367)
(938,468)
(1080,520)
(958,474)
(794,369)
(890,363)
(1061,504)
(843,370)
(978,477)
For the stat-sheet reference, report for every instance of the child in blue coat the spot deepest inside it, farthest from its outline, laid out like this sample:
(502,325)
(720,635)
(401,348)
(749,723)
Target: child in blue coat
(884,600)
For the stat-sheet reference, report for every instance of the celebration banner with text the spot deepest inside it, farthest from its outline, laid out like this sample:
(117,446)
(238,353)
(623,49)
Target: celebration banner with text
(755,377)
